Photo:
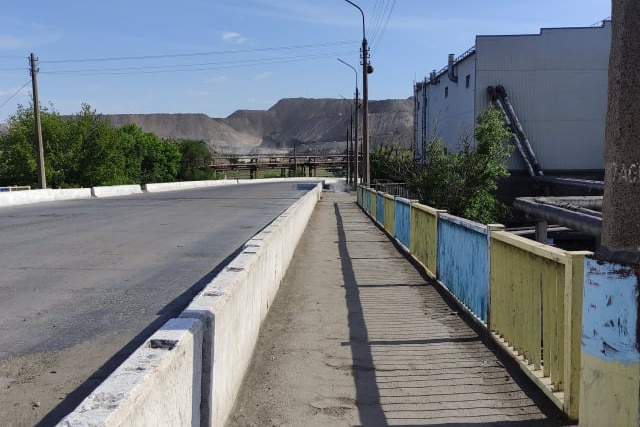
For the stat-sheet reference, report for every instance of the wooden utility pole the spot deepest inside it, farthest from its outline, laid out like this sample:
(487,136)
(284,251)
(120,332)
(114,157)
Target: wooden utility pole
(42,180)
(621,204)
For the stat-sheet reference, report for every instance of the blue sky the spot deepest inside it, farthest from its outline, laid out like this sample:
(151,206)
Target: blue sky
(218,56)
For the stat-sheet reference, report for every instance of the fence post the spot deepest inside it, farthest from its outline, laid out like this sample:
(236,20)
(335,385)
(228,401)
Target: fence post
(490,229)
(573,288)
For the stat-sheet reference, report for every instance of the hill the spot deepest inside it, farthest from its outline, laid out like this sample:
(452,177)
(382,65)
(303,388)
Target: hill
(307,124)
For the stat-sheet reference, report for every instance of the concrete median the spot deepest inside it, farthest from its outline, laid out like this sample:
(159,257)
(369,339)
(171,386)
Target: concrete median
(116,190)
(191,370)
(13,198)
(233,306)
(185,185)
(158,385)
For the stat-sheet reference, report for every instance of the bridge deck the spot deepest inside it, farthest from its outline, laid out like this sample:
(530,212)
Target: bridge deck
(357,336)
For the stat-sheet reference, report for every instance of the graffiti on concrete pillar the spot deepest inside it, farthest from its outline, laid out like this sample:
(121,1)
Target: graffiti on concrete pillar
(629,173)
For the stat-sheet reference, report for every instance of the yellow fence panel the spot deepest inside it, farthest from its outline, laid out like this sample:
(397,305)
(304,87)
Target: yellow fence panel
(533,311)
(424,236)
(389,218)
(373,205)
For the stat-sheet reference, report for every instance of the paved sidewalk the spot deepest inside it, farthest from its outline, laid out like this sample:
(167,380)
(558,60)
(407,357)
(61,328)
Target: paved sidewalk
(357,337)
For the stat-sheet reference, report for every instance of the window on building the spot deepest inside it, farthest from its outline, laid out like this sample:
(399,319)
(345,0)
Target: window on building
(446,91)
(468,80)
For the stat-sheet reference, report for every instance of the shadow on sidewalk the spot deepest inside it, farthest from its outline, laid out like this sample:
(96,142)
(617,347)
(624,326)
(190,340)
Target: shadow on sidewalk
(372,391)
(363,369)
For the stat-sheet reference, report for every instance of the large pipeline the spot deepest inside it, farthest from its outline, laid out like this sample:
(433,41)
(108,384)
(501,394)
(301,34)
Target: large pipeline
(515,137)
(502,93)
(580,218)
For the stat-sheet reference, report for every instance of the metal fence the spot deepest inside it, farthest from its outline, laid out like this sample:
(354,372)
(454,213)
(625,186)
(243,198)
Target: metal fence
(528,295)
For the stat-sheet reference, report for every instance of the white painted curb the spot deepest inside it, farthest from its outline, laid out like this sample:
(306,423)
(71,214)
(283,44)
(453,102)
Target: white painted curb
(158,385)
(13,198)
(184,185)
(116,190)
(233,306)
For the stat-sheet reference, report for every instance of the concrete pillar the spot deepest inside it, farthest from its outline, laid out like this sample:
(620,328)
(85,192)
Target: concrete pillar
(541,231)
(621,205)
(610,359)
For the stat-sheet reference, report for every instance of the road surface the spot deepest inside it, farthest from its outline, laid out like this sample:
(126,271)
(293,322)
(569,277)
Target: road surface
(83,283)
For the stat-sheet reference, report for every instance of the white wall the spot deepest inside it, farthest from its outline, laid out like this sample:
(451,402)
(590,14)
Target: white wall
(557,83)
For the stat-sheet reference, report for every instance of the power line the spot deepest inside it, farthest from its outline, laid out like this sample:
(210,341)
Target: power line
(384,27)
(161,69)
(193,54)
(374,21)
(16,92)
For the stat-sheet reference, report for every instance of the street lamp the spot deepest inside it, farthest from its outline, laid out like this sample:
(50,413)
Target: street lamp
(355,148)
(349,143)
(366,69)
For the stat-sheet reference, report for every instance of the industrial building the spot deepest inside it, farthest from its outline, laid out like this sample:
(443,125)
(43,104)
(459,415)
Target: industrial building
(554,83)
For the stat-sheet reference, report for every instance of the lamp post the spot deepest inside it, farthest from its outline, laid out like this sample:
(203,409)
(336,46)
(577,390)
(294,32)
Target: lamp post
(355,139)
(366,69)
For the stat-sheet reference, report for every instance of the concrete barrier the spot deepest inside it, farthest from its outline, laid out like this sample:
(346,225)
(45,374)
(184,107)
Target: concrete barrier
(233,306)
(158,385)
(185,185)
(191,370)
(116,190)
(13,198)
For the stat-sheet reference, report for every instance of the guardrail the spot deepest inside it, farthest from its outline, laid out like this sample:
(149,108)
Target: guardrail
(527,295)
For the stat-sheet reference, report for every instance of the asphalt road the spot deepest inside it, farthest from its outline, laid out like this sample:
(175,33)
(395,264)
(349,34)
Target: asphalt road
(90,280)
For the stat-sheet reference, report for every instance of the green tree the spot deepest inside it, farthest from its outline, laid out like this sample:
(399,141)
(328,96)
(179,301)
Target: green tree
(464,182)
(195,163)
(18,164)
(390,162)
(84,150)
(93,151)
(148,157)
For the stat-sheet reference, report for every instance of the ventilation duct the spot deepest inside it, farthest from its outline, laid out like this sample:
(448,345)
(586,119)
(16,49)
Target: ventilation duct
(450,70)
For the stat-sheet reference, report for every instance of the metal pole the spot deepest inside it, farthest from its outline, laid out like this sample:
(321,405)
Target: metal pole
(365,111)
(347,154)
(366,69)
(350,151)
(355,139)
(42,179)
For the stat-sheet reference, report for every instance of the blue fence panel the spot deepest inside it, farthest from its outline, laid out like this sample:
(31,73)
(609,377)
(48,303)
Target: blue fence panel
(368,200)
(463,262)
(380,208)
(402,221)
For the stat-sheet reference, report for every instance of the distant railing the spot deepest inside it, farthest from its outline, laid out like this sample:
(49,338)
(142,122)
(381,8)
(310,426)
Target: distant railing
(393,188)
(526,294)
(15,188)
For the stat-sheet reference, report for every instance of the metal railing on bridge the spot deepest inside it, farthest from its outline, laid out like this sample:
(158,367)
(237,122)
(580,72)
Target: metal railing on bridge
(526,294)
(15,188)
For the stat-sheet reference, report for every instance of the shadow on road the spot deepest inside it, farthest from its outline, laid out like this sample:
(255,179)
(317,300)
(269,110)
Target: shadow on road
(389,392)
(170,311)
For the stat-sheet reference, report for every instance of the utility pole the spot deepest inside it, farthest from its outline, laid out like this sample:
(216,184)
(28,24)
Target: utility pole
(365,107)
(348,168)
(42,179)
(621,204)
(366,70)
(355,141)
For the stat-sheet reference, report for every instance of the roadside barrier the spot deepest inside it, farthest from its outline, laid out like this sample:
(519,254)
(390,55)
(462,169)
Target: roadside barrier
(191,370)
(527,295)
